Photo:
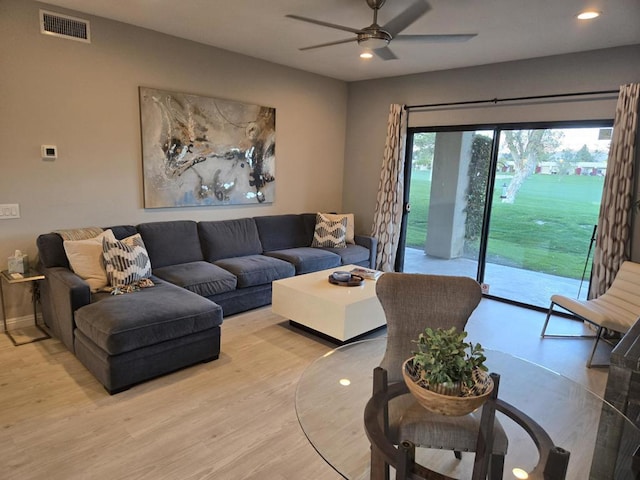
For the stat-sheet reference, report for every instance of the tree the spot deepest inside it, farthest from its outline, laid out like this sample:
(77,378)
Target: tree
(476,192)
(584,155)
(528,148)
(423,148)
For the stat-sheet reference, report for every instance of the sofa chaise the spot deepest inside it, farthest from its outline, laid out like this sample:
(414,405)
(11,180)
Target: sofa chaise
(201,271)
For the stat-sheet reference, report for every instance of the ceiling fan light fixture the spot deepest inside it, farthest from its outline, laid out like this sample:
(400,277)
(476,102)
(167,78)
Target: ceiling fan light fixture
(588,15)
(373,43)
(373,39)
(366,55)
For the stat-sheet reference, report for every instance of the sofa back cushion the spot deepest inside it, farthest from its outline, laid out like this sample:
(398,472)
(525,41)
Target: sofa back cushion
(51,251)
(309,220)
(51,248)
(171,243)
(229,238)
(279,232)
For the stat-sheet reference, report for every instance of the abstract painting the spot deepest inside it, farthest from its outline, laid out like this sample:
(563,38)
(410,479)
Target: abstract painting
(205,151)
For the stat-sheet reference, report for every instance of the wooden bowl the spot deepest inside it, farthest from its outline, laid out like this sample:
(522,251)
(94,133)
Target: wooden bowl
(447,404)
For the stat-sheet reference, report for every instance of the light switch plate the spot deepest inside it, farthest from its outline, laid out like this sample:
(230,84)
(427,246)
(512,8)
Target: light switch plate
(9,210)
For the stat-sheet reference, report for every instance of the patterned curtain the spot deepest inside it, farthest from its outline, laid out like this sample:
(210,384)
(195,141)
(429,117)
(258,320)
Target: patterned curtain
(613,244)
(388,215)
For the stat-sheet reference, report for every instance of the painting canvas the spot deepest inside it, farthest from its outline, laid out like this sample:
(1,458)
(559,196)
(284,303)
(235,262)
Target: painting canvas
(205,151)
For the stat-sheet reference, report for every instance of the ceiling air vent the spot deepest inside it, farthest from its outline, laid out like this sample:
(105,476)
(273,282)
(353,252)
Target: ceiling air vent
(64,26)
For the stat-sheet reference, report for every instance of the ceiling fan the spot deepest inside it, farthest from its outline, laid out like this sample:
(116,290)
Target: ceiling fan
(377,38)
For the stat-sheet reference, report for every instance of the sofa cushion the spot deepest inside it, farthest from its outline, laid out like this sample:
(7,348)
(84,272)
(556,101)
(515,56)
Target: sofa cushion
(171,243)
(51,251)
(355,254)
(229,238)
(126,260)
(309,221)
(280,232)
(123,231)
(330,233)
(307,259)
(202,278)
(257,269)
(123,323)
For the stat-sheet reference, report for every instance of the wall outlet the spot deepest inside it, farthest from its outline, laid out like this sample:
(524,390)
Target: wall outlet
(485,288)
(9,210)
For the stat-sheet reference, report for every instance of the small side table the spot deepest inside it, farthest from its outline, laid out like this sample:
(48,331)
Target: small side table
(33,277)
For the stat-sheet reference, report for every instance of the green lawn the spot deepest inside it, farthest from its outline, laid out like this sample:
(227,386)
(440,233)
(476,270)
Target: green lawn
(547,229)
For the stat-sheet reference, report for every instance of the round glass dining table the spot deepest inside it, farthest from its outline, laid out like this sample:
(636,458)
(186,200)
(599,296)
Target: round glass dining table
(333,391)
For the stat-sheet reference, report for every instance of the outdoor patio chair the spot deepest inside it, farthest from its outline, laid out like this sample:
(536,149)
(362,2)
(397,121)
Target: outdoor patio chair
(617,309)
(412,302)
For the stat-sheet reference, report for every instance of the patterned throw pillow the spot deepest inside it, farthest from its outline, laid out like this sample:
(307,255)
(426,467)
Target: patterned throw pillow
(329,233)
(126,260)
(350,223)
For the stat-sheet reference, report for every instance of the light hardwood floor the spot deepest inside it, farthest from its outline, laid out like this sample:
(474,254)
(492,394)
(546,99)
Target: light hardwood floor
(233,418)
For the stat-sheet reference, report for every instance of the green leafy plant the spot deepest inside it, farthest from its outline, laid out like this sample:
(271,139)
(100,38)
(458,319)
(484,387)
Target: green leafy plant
(444,358)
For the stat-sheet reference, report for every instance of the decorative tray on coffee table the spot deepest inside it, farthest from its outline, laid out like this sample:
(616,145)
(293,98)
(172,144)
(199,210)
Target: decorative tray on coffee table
(346,281)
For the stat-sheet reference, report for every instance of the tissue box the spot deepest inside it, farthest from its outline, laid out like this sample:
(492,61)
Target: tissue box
(18,264)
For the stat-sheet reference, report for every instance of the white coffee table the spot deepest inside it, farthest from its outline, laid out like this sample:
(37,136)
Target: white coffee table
(338,312)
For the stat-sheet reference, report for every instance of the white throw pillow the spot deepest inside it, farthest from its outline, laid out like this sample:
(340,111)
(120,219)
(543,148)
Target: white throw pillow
(336,217)
(86,261)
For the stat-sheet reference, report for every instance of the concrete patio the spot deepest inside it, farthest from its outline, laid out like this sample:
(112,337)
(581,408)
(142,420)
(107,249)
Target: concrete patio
(511,283)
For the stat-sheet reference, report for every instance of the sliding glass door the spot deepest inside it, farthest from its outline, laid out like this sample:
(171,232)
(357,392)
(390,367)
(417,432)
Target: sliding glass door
(448,181)
(514,208)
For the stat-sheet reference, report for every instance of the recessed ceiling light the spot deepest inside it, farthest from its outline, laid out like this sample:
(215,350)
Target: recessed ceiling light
(366,55)
(520,473)
(588,14)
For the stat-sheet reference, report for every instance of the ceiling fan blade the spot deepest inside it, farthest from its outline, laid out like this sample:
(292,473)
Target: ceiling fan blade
(324,24)
(338,42)
(462,37)
(385,53)
(406,18)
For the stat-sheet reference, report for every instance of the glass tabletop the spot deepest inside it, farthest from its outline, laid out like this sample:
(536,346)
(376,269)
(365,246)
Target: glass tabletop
(333,391)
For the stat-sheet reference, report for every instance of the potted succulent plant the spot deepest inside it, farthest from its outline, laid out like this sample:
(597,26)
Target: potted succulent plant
(445,365)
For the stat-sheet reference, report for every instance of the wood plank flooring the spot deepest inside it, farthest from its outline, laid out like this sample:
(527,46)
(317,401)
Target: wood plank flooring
(233,418)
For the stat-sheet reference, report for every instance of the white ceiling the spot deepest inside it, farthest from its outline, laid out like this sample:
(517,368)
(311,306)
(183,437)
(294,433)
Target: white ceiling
(507,30)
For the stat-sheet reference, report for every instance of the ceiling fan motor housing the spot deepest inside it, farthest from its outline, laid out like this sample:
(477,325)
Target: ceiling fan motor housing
(375,4)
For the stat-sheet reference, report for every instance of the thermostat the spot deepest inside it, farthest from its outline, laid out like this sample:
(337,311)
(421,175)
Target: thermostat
(49,151)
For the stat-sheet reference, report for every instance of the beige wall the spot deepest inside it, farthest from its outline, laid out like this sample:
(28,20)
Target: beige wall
(369,101)
(84,99)
(330,135)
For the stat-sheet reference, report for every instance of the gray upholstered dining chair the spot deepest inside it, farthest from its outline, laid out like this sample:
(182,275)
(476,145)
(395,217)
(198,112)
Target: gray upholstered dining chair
(412,302)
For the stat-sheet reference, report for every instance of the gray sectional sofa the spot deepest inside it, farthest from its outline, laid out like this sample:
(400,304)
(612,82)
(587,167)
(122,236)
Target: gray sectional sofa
(202,271)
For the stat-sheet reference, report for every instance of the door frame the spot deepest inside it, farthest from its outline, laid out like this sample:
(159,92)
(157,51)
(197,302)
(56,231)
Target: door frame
(497,129)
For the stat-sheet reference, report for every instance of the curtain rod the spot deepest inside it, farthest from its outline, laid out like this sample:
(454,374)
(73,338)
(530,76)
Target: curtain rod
(511,99)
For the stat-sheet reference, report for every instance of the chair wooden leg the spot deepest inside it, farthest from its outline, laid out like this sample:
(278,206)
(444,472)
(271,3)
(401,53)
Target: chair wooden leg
(496,467)
(557,463)
(379,469)
(406,460)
